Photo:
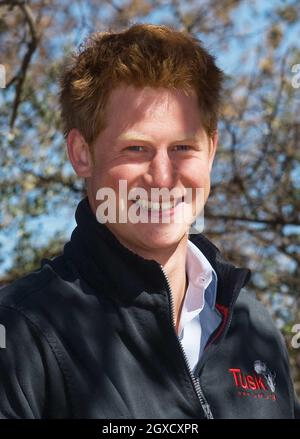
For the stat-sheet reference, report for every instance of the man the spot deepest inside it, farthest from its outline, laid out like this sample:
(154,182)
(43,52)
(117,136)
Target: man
(135,320)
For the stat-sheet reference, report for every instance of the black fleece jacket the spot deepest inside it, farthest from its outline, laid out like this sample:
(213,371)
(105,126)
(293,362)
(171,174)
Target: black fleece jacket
(91,335)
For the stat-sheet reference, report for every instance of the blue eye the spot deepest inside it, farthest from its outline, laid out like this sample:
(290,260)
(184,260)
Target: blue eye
(136,148)
(182,147)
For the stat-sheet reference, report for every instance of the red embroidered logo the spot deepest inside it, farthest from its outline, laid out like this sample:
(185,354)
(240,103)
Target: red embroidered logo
(260,384)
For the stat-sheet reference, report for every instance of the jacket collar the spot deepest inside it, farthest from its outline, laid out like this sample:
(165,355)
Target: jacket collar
(102,261)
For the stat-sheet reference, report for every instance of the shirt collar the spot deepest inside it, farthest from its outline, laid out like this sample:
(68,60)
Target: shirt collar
(201,274)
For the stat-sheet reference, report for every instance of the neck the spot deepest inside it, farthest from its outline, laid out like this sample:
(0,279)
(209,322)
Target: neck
(175,269)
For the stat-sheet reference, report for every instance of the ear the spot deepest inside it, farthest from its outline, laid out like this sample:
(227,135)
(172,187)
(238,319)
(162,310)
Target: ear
(79,153)
(213,142)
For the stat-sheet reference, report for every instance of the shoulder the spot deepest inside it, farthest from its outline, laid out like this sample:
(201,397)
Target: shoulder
(40,289)
(247,300)
(20,289)
(250,314)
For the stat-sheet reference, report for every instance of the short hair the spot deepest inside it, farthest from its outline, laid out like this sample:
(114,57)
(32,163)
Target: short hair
(142,55)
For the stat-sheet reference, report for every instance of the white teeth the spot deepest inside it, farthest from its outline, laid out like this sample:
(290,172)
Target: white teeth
(144,204)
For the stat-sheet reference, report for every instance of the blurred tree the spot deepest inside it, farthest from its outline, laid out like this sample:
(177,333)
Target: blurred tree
(253,212)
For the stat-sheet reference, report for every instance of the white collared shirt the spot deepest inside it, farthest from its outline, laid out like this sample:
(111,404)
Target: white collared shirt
(199,317)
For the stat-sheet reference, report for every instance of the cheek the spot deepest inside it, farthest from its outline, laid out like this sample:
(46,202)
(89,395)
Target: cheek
(128,172)
(196,175)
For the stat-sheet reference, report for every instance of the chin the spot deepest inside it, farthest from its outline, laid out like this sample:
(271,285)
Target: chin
(161,237)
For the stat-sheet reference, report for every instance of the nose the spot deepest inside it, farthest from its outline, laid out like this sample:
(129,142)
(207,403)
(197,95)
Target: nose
(161,171)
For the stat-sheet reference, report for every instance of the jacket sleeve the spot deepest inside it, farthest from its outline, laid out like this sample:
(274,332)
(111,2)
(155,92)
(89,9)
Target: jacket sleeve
(294,398)
(297,407)
(24,355)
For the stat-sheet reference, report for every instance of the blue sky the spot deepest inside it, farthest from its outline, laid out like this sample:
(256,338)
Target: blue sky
(228,60)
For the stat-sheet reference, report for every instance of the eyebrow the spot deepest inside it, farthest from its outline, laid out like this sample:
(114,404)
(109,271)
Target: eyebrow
(135,136)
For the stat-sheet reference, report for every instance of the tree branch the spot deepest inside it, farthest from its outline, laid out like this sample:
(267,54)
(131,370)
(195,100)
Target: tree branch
(19,78)
(31,47)
(275,222)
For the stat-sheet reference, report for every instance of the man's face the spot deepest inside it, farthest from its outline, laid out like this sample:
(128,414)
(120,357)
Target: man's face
(153,139)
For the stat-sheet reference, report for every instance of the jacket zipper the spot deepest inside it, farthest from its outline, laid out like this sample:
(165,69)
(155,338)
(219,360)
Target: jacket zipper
(196,382)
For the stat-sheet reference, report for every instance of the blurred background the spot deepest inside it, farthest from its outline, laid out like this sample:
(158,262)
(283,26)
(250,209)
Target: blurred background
(253,213)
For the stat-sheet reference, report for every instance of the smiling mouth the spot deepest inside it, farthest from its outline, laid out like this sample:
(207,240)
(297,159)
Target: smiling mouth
(158,206)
